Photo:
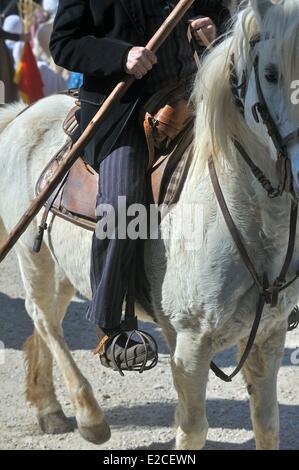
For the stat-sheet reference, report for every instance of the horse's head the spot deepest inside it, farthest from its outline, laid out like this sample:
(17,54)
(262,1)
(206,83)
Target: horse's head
(271,98)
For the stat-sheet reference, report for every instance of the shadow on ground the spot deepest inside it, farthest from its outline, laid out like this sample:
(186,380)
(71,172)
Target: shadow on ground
(227,414)
(222,414)
(79,332)
(210,445)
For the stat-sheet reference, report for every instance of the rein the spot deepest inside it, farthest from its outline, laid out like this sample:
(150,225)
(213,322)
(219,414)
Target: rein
(268,295)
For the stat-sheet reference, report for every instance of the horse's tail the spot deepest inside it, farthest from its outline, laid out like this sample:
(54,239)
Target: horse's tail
(9,113)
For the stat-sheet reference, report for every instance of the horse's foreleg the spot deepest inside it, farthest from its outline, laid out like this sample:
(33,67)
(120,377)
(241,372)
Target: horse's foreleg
(190,368)
(3,232)
(90,419)
(42,304)
(260,372)
(40,390)
(169,333)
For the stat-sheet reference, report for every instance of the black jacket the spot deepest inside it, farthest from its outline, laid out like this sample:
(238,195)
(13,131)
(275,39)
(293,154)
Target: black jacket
(6,35)
(93,37)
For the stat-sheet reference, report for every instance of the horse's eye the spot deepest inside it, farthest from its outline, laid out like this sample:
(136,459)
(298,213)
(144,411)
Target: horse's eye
(271,77)
(271,74)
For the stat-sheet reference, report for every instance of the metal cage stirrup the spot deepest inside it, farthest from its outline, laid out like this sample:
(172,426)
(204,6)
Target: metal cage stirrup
(293,320)
(127,334)
(150,352)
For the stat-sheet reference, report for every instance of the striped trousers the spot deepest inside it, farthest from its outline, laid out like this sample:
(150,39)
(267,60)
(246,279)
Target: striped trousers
(122,173)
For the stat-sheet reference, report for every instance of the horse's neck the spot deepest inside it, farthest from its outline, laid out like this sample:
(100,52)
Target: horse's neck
(263,222)
(245,190)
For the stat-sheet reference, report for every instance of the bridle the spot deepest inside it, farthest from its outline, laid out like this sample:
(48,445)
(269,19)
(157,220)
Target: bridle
(268,294)
(261,113)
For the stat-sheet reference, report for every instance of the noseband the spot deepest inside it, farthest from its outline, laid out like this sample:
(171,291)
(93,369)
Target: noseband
(268,294)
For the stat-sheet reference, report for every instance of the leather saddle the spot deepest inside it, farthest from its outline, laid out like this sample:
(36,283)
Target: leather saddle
(75,199)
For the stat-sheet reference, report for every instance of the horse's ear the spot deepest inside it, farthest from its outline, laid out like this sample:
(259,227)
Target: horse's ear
(260,7)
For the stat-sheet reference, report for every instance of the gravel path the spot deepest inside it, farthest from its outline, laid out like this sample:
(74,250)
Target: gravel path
(141,412)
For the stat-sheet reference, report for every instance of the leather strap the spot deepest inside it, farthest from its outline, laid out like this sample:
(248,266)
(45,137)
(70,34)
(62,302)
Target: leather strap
(267,295)
(283,164)
(257,172)
(244,255)
(100,349)
(293,136)
(263,110)
(194,46)
(281,279)
(148,130)
(232,227)
(238,91)
(228,378)
(260,110)
(43,225)
(197,51)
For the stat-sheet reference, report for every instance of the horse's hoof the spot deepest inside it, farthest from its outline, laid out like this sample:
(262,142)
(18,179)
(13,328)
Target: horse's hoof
(96,434)
(191,441)
(55,423)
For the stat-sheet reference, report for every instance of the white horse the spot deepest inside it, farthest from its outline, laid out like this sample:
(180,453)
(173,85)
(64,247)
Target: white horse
(204,298)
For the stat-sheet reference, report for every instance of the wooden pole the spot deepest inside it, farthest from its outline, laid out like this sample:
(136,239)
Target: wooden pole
(76,151)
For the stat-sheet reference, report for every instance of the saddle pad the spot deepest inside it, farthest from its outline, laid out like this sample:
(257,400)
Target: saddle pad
(169,171)
(76,199)
(80,191)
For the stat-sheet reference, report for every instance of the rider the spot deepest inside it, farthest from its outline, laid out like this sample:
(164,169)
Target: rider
(105,41)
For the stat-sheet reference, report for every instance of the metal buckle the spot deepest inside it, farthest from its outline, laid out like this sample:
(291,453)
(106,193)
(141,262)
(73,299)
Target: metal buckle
(256,111)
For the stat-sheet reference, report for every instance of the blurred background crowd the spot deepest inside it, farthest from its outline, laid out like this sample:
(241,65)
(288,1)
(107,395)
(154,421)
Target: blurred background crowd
(26,67)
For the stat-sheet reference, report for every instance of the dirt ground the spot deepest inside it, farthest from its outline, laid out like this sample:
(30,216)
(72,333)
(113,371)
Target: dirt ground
(139,408)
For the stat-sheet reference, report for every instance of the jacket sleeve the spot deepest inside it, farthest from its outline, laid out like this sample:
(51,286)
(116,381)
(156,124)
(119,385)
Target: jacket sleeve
(74,46)
(216,10)
(6,35)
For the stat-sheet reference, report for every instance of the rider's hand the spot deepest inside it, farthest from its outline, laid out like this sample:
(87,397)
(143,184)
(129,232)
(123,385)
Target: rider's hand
(139,61)
(207,26)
